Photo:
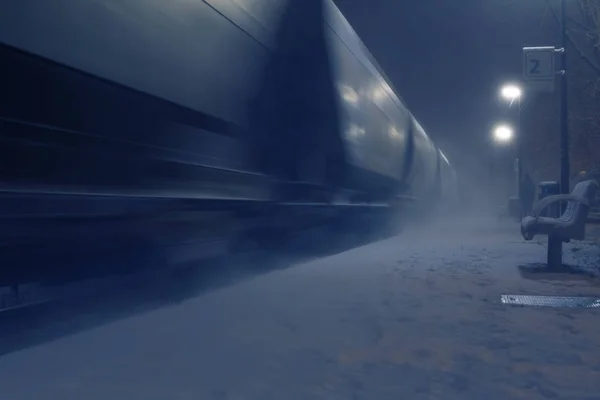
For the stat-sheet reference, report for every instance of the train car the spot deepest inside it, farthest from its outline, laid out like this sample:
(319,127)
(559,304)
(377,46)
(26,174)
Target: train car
(362,136)
(126,98)
(337,118)
(137,108)
(283,88)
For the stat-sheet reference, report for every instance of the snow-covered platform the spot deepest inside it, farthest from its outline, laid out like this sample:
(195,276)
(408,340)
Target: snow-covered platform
(417,316)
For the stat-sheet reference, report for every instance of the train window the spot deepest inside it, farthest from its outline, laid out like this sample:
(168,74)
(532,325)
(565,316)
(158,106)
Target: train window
(346,34)
(348,94)
(385,141)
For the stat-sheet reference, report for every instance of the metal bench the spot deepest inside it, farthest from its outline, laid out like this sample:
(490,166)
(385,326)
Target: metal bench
(570,225)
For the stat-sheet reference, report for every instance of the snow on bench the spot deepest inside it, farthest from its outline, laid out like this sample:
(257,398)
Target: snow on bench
(570,225)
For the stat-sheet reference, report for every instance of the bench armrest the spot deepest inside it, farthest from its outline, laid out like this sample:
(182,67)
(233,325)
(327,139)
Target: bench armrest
(547,201)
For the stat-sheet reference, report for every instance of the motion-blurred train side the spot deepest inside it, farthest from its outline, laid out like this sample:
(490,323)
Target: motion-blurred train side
(265,100)
(119,87)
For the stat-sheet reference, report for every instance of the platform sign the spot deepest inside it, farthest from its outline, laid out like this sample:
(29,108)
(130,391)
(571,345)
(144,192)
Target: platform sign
(539,68)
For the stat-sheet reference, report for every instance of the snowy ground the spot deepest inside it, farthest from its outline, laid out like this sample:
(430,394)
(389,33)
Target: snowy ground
(416,316)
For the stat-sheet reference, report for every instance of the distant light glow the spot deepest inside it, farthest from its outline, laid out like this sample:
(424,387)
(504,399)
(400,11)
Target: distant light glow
(511,92)
(503,134)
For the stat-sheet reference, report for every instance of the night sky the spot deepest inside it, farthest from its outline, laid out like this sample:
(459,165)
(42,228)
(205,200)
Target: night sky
(447,59)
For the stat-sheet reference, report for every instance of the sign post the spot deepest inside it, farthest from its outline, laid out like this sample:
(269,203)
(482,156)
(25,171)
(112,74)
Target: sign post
(540,73)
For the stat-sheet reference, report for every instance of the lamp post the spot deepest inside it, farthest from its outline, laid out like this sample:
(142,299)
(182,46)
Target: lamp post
(564,113)
(512,93)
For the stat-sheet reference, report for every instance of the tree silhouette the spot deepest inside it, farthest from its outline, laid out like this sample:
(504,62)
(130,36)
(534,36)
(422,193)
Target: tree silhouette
(541,114)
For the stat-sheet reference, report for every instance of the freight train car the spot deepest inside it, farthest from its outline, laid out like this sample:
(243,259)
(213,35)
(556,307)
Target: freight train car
(337,120)
(142,96)
(121,108)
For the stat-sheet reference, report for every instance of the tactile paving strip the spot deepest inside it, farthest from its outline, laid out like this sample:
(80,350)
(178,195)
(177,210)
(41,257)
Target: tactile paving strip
(550,301)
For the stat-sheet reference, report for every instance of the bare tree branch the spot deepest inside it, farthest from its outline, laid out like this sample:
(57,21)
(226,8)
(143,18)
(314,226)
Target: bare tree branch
(580,25)
(589,11)
(583,42)
(584,57)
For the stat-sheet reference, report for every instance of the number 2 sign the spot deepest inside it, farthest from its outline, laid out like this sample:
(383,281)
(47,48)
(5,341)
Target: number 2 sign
(534,66)
(538,67)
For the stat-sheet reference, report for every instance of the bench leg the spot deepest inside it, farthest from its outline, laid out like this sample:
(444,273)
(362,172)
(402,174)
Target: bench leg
(554,252)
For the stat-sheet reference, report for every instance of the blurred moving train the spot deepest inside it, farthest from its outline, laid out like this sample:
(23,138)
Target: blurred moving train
(123,108)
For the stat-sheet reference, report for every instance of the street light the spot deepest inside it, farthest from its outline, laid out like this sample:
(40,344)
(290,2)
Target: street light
(503,134)
(511,92)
